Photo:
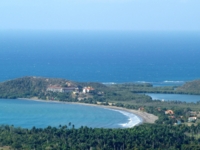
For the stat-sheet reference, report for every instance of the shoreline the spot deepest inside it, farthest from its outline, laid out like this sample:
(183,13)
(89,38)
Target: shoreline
(144,117)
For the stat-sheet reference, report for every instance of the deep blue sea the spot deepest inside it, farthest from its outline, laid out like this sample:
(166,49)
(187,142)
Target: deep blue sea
(158,57)
(161,58)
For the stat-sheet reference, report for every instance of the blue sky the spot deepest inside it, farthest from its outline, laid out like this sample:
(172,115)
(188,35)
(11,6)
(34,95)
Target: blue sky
(147,15)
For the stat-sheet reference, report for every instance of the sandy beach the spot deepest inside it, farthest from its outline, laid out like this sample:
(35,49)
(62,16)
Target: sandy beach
(144,116)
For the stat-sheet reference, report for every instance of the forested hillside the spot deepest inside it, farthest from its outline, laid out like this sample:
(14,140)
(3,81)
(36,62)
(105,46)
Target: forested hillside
(192,87)
(26,87)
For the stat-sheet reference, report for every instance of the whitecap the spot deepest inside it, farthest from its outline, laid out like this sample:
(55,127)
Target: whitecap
(142,82)
(132,121)
(168,81)
(108,83)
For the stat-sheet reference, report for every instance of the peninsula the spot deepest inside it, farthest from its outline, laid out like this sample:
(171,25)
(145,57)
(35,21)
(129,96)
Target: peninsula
(125,96)
(174,125)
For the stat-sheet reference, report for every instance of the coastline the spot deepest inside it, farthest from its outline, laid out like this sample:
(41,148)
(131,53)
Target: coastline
(144,117)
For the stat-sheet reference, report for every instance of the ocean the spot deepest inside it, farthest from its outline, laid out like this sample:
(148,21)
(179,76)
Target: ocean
(107,57)
(160,58)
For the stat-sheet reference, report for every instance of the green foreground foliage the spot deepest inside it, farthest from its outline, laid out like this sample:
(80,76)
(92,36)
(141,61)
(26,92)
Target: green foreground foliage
(141,137)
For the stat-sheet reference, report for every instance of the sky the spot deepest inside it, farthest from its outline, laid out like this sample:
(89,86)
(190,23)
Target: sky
(136,15)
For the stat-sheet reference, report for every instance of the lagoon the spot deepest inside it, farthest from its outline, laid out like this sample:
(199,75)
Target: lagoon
(175,97)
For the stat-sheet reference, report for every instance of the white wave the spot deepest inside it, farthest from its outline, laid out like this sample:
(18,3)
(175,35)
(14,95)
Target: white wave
(142,82)
(108,83)
(168,81)
(132,121)
(126,82)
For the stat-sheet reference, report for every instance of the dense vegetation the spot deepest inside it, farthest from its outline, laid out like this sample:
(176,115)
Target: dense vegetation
(192,87)
(67,137)
(144,88)
(26,87)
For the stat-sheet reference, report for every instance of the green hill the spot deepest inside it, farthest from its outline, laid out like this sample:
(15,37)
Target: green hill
(192,87)
(26,86)
(29,87)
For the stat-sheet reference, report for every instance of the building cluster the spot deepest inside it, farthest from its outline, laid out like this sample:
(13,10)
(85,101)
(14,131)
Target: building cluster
(55,88)
(75,90)
(169,112)
(87,89)
(193,115)
(141,109)
(191,119)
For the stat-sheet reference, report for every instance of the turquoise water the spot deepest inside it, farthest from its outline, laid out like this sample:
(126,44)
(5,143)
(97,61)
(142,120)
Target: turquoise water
(27,113)
(175,97)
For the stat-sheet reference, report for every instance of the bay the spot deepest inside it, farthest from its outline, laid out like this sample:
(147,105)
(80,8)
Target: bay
(28,113)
